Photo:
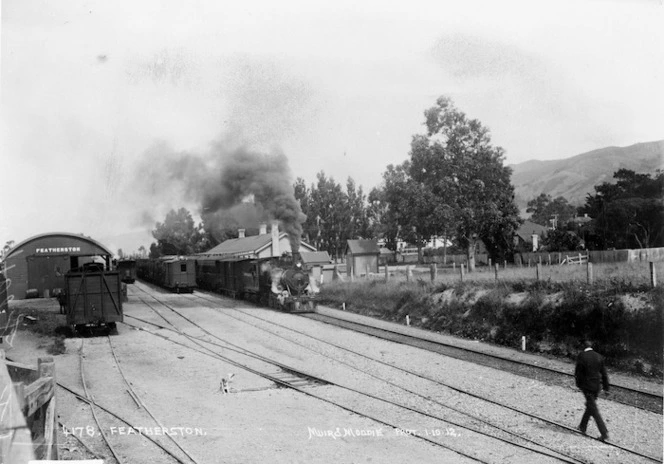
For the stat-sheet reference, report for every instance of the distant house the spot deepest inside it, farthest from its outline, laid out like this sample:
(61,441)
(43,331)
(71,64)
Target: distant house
(581,220)
(528,237)
(361,257)
(320,264)
(315,258)
(263,245)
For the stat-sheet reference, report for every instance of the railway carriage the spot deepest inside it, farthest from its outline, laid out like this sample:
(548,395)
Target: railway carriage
(221,275)
(175,273)
(127,269)
(273,282)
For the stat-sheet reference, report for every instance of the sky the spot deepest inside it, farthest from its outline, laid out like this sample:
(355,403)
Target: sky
(93,94)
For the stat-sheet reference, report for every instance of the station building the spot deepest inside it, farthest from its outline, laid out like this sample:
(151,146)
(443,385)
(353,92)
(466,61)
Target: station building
(264,245)
(37,266)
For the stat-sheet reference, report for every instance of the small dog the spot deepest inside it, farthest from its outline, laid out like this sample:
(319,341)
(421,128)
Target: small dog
(225,386)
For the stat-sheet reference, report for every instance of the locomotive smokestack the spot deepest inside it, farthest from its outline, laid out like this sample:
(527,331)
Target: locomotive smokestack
(240,233)
(263,229)
(275,238)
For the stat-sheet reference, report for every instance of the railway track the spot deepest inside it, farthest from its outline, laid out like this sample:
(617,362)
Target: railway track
(514,439)
(411,372)
(625,395)
(112,420)
(239,350)
(641,399)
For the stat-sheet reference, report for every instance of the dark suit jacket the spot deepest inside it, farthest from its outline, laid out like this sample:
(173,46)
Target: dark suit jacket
(590,371)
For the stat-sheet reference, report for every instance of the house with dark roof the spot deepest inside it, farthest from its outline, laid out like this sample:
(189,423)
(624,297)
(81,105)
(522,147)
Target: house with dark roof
(362,257)
(315,258)
(529,236)
(263,245)
(319,264)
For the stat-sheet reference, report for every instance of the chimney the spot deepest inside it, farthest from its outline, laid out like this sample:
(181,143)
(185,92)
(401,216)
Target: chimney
(240,233)
(275,238)
(263,229)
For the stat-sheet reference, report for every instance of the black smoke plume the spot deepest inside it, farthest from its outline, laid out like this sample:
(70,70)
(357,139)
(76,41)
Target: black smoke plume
(223,178)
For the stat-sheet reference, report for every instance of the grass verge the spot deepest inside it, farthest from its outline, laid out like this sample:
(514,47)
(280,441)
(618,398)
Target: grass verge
(623,320)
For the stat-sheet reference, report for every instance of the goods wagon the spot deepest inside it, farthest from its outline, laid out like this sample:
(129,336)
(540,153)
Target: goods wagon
(93,298)
(127,270)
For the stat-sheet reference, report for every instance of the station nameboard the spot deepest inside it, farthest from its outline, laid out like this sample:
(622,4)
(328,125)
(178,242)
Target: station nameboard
(71,249)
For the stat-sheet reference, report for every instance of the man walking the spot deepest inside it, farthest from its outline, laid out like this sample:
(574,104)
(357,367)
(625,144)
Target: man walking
(589,371)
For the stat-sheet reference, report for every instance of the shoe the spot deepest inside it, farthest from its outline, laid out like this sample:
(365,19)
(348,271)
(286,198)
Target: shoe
(604,438)
(581,430)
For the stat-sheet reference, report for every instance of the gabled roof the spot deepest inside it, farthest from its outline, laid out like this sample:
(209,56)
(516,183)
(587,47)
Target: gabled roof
(247,245)
(250,244)
(529,228)
(315,257)
(362,247)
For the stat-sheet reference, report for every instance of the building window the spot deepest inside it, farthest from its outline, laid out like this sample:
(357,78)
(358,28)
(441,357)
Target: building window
(183,267)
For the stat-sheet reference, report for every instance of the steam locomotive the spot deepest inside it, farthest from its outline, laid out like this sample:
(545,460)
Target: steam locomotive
(281,283)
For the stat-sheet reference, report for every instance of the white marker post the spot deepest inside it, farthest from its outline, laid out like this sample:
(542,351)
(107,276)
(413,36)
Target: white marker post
(523,343)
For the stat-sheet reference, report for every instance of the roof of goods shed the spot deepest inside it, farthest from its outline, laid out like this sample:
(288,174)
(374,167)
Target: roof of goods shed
(96,247)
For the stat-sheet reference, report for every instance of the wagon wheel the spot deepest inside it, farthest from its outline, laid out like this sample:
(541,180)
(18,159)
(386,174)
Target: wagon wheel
(112,328)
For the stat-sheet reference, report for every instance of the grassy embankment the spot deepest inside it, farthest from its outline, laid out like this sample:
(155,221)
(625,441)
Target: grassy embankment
(619,311)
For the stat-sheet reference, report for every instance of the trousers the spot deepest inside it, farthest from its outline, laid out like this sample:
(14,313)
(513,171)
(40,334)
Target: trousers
(592,411)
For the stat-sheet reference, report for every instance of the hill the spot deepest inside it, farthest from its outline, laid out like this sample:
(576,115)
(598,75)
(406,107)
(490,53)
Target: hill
(573,178)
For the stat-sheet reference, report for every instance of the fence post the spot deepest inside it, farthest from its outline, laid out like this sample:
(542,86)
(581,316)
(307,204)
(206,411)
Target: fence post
(653,276)
(489,263)
(462,272)
(387,272)
(434,272)
(497,267)
(409,273)
(589,271)
(549,259)
(505,264)
(539,271)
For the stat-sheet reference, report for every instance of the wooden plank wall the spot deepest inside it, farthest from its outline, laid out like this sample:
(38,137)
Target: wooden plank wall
(28,396)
